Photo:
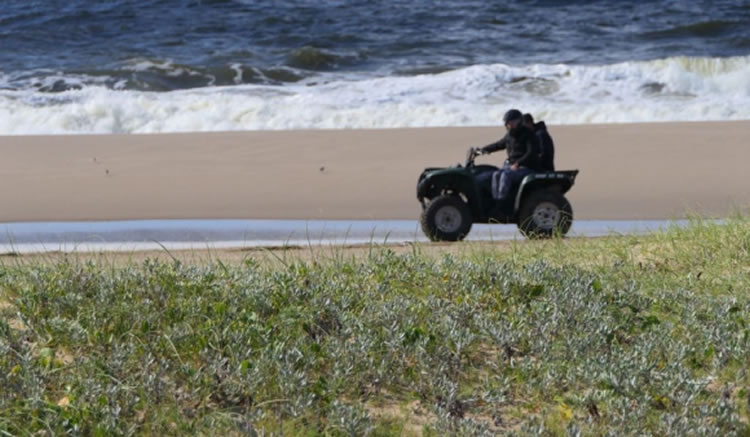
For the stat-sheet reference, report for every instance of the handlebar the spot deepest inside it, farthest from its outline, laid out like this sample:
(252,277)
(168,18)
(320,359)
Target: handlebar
(472,153)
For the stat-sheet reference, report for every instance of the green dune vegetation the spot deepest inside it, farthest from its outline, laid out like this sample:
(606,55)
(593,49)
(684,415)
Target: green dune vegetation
(623,335)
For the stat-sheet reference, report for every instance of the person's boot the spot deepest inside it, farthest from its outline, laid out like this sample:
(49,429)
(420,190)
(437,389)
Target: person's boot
(501,210)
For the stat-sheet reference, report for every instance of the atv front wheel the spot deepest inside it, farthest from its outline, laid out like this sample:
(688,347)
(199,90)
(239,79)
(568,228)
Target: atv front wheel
(446,218)
(545,214)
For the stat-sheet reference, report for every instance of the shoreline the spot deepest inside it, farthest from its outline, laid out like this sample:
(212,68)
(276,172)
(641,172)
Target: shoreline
(646,171)
(150,235)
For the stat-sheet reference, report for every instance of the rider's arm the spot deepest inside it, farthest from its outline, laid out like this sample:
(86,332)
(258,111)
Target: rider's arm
(494,147)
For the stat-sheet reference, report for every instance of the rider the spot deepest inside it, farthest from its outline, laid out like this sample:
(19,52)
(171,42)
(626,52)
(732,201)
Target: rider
(522,147)
(547,146)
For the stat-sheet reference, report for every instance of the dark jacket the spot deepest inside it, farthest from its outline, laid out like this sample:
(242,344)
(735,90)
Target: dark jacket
(522,146)
(547,149)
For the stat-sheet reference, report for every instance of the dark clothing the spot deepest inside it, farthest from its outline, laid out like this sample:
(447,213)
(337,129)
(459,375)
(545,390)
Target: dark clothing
(547,147)
(484,181)
(522,146)
(506,179)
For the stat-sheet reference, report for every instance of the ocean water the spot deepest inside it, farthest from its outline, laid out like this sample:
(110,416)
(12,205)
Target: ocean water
(142,66)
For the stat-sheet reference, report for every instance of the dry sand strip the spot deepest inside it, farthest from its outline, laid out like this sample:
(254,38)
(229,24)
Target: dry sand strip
(628,171)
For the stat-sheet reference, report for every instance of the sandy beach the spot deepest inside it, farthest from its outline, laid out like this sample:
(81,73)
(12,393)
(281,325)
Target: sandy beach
(628,171)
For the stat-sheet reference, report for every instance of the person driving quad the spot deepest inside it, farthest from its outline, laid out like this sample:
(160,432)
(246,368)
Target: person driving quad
(523,147)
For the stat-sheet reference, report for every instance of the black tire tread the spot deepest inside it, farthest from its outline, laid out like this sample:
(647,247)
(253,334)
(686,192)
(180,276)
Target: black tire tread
(427,222)
(527,226)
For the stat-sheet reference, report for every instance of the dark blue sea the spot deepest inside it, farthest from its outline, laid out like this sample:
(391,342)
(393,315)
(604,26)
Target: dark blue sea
(135,66)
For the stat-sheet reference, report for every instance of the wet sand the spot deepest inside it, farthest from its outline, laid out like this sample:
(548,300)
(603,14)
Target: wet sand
(212,235)
(628,172)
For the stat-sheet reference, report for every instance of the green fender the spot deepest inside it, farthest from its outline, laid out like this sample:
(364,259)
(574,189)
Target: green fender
(434,181)
(558,180)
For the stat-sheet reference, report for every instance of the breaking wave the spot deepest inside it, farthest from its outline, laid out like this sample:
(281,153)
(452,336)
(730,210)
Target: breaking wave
(672,89)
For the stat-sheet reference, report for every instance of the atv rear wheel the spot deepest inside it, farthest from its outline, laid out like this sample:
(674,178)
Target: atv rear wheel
(545,214)
(446,218)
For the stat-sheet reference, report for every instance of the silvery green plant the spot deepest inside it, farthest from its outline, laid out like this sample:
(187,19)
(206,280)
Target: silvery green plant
(621,336)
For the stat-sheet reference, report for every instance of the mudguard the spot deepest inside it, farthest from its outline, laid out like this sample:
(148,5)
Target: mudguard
(433,182)
(561,181)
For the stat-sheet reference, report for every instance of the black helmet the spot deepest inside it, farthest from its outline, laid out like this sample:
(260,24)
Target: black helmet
(513,114)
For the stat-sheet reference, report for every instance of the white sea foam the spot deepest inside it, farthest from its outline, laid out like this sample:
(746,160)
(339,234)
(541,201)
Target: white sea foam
(674,89)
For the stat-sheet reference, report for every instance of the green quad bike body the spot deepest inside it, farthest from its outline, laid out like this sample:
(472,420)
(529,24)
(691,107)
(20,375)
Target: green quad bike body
(452,201)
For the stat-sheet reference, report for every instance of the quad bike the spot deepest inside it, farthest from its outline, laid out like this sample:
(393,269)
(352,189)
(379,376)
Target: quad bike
(452,201)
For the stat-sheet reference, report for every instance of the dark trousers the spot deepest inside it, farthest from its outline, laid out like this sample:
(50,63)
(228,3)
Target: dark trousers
(505,179)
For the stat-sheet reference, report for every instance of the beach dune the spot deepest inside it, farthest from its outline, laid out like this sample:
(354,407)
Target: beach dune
(627,171)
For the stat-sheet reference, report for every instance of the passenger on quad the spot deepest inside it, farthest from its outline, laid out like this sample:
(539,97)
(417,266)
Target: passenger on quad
(522,146)
(546,158)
